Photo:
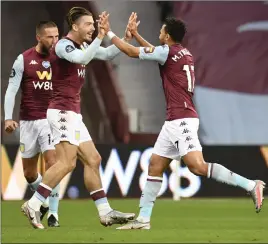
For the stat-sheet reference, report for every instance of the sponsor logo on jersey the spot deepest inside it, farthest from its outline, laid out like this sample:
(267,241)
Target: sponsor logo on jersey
(44,75)
(81,73)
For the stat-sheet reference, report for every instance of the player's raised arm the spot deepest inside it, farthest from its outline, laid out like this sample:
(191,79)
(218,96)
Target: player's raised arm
(12,89)
(65,48)
(107,53)
(158,53)
(112,51)
(133,28)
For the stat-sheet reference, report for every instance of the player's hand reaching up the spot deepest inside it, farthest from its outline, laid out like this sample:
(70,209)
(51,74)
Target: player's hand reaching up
(128,35)
(10,125)
(103,23)
(133,24)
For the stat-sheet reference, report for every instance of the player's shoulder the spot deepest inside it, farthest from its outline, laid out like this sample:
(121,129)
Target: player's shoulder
(178,48)
(65,44)
(160,48)
(28,52)
(157,50)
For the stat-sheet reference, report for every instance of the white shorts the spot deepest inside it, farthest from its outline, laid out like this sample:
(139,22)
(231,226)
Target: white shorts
(35,137)
(177,138)
(67,126)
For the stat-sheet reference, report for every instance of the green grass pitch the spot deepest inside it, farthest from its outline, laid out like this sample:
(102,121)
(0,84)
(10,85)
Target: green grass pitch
(189,220)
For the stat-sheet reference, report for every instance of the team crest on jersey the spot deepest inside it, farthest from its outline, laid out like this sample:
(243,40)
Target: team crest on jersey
(69,48)
(77,135)
(149,49)
(12,73)
(46,64)
(22,147)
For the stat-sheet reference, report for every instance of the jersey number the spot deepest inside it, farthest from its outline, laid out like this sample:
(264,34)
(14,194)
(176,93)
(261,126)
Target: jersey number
(190,79)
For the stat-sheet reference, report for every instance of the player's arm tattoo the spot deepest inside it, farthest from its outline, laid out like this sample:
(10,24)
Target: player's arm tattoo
(14,82)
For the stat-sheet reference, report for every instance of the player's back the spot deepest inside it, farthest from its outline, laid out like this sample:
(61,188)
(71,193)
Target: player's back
(36,84)
(178,82)
(68,79)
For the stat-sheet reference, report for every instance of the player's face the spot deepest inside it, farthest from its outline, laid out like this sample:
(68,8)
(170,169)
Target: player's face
(48,38)
(163,35)
(85,28)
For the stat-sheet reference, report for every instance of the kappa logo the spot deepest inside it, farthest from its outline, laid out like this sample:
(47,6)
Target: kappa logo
(46,64)
(185,131)
(33,62)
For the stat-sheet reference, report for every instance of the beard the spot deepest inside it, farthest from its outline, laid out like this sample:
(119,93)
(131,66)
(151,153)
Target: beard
(44,50)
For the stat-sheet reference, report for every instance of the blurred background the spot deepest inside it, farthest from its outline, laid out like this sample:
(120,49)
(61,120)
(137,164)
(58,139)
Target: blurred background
(123,104)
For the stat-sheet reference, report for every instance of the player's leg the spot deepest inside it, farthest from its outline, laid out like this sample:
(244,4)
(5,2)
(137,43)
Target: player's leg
(197,165)
(49,154)
(91,159)
(66,151)
(157,166)
(30,153)
(34,178)
(53,216)
(66,161)
(31,172)
(191,152)
(162,156)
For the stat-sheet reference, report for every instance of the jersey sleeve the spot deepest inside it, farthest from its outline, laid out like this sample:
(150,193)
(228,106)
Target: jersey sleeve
(13,86)
(158,53)
(107,53)
(65,49)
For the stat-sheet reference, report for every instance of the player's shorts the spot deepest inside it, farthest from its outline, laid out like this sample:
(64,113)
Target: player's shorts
(177,138)
(35,137)
(67,126)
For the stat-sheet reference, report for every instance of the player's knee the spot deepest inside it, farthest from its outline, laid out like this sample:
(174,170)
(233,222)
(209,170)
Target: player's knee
(95,161)
(30,175)
(155,169)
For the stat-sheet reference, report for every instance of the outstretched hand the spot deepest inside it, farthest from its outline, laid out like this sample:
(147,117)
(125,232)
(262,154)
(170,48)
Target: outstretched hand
(133,23)
(103,23)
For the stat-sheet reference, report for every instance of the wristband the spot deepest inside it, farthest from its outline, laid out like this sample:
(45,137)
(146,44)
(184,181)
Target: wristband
(110,34)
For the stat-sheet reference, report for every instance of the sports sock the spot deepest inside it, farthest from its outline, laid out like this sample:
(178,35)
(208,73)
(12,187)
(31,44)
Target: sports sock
(39,197)
(35,184)
(54,202)
(101,201)
(224,175)
(148,196)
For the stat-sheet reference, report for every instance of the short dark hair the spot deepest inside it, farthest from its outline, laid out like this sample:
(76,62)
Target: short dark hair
(74,14)
(176,28)
(44,24)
